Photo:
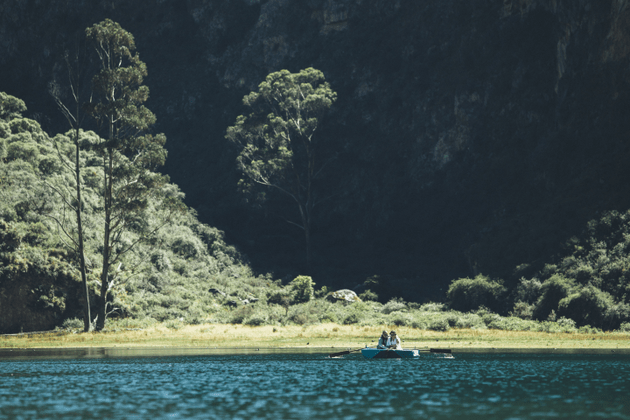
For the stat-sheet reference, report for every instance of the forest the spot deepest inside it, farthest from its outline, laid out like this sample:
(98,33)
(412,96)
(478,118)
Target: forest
(465,164)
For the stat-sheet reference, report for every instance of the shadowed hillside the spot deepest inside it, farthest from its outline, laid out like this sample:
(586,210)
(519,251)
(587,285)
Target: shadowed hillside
(470,136)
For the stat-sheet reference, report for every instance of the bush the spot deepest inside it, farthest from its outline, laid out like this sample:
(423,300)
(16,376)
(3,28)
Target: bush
(400,319)
(528,291)
(553,291)
(624,327)
(566,323)
(469,294)
(72,324)
(587,329)
(523,310)
(368,295)
(329,317)
(421,325)
(432,307)
(302,288)
(393,306)
(586,307)
(280,297)
(173,324)
(255,320)
(352,318)
(439,325)
(473,321)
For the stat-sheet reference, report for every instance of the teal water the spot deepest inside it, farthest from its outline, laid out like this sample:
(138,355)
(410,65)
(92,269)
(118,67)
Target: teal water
(301,386)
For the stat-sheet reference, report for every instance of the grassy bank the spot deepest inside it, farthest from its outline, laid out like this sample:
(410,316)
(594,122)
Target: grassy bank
(323,335)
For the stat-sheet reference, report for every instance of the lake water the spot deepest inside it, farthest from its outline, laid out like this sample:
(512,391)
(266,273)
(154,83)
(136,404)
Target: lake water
(301,386)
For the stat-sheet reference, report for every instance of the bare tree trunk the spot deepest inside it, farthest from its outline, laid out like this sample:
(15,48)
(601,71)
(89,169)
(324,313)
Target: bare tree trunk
(74,119)
(87,319)
(108,168)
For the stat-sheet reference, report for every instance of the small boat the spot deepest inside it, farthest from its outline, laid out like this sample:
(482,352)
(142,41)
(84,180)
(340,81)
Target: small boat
(372,353)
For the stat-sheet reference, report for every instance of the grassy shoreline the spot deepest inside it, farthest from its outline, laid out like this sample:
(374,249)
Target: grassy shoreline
(325,336)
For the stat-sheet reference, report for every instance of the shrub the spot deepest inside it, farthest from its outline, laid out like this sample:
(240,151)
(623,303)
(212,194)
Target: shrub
(432,307)
(307,313)
(467,294)
(187,247)
(439,325)
(553,291)
(566,323)
(173,324)
(322,292)
(242,313)
(329,317)
(160,261)
(72,324)
(255,320)
(528,291)
(302,288)
(473,321)
(523,310)
(587,329)
(280,297)
(616,315)
(589,306)
(352,318)
(400,319)
(624,327)
(393,306)
(368,295)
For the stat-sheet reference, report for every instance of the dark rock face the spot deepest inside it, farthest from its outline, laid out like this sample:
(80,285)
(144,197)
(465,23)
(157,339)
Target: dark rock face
(471,135)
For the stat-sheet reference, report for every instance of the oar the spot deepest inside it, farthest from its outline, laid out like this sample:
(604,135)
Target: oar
(341,353)
(437,350)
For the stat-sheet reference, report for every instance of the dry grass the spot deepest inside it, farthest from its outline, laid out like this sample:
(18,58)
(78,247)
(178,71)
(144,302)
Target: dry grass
(324,335)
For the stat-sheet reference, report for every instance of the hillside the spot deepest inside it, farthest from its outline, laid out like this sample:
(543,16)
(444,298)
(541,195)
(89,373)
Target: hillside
(471,136)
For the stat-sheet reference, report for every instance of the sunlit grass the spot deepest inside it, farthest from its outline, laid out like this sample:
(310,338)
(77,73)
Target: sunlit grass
(323,335)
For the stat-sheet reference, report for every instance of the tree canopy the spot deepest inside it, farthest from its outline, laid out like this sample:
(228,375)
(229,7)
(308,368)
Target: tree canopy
(278,146)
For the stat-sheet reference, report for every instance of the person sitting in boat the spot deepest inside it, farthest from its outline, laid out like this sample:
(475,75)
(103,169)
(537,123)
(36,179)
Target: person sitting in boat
(394,341)
(383,341)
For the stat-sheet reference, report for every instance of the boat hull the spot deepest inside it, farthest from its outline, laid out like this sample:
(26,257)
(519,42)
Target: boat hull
(371,353)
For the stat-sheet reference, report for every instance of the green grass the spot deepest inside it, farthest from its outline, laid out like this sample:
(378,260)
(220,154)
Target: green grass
(328,335)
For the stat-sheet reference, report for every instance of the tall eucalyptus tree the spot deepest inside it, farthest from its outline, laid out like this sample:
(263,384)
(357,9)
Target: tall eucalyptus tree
(278,147)
(129,153)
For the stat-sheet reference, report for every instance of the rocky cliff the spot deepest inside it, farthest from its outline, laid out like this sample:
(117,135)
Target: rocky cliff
(471,135)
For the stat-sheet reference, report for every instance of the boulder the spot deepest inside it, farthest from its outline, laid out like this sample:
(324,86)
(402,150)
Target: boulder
(343,295)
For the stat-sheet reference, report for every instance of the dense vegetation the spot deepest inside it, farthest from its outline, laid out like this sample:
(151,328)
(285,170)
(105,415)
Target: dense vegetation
(186,273)
(166,277)
(462,147)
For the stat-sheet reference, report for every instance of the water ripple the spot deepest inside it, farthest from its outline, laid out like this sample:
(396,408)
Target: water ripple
(312,386)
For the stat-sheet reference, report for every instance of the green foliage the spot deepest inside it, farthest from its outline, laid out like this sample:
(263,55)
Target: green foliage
(469,294)
(553,290)
(352,318)
(277,147)
(523,310)
(591,306)
(528,290)
(394,305)
(302,288)
(72,324)
(10,107)
(165,278)
(130,155)
(368,295)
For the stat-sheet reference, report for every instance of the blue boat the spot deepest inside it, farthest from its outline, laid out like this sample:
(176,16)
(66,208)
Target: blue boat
(372,353)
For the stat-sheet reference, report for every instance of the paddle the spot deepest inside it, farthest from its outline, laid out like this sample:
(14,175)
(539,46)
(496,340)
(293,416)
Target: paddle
(437,350)
(341,353)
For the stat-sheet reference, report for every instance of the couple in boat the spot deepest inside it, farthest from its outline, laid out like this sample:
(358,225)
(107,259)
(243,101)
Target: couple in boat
(391,341)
